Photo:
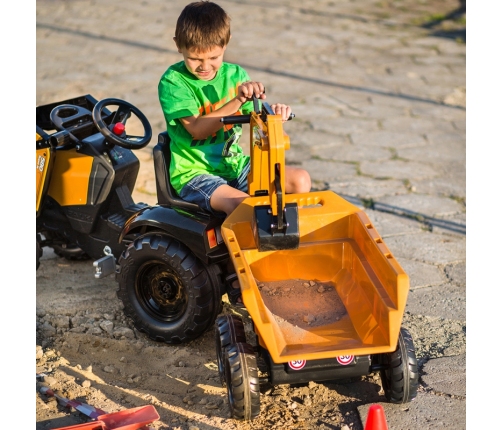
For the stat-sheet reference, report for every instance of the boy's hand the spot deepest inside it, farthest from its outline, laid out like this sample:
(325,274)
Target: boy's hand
(250,88)
(283,110)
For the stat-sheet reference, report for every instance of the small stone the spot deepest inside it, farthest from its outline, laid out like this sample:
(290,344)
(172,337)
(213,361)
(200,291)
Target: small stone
(306,284)
(122,359)
(107,326)
(309,318)
(86,383)
(203,401)
(88,368)
(181,364)
(109,369)
(311,283)
(212,406)
(40,352)
(321,289)
(186,399)
(120,332)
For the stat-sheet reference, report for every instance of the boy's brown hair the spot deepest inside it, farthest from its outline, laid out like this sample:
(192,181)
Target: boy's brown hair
(202,25)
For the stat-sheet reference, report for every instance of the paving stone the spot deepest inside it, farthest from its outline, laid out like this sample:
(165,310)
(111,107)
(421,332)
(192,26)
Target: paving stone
(426,205)
(398,169)
(446,375)
(387,139)
(345,125)
(364,187)
(352,153)
(435,152)
(328,171)
(456,273)
(445,301)
(428,247)
(422,274)
(388,224)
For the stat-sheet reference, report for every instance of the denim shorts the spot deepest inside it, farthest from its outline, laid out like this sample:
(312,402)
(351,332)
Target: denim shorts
(199,189)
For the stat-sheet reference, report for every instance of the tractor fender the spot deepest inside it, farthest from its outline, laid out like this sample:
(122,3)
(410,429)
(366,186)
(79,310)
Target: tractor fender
(189,228)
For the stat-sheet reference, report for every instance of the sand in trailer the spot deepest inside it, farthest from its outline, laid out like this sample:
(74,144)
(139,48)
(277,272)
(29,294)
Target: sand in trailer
(302,303)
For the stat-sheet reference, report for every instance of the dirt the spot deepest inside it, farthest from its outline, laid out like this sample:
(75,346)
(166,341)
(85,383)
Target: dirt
(88,351)
(302,303)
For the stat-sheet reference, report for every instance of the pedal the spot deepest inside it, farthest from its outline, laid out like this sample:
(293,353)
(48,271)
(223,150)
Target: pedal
(105,266)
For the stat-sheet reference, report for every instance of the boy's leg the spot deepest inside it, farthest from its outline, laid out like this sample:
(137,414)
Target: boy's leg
(297,180)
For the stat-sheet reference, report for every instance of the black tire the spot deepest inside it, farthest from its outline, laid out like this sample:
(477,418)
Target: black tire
(400,375)
(228,329)
(70,252)
(243,383)
(165,289)
(40,251)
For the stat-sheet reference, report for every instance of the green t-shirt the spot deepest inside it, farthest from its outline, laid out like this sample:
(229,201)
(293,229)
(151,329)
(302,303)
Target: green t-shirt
(182,94)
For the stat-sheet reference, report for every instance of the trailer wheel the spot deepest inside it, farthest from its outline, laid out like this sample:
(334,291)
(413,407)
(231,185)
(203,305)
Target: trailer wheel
(165,289)
(400,377)
(228,329)
(243,383)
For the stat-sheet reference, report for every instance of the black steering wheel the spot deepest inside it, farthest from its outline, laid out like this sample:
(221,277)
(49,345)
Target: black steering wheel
(115,133)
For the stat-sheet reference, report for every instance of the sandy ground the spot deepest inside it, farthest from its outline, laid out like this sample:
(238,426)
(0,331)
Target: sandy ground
(91,353)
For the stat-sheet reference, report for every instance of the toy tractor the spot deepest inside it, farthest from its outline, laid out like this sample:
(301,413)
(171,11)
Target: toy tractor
(169,260)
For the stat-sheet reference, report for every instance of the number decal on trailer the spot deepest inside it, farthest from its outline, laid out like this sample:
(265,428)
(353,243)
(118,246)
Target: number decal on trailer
(345,359)
(297,364)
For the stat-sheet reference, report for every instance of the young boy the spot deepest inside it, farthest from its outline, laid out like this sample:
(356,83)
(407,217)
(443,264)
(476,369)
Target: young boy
(194,94)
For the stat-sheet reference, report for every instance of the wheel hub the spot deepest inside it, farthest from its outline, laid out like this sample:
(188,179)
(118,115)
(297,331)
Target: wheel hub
(161,291)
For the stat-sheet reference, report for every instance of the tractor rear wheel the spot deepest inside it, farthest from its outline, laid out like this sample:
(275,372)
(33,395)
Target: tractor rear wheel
(166,290)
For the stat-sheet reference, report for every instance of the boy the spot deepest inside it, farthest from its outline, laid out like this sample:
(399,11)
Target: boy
(208,166)
(194,94)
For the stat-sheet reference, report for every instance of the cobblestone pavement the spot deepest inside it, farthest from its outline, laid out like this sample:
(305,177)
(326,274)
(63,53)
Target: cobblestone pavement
(379,93)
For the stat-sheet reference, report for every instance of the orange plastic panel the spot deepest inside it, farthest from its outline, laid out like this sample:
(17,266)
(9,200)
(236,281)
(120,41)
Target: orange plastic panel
(339,246)
(73,171)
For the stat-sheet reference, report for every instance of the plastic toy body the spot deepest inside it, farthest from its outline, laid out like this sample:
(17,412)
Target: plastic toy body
(168,259)
(306,240)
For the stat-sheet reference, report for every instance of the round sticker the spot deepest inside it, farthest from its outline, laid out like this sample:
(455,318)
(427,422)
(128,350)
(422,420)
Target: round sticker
(297,364)
(345,359)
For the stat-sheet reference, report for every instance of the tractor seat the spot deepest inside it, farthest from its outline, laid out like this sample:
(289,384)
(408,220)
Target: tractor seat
(166,195)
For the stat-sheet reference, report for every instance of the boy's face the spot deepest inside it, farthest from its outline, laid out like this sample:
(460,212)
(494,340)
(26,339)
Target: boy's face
(203,65)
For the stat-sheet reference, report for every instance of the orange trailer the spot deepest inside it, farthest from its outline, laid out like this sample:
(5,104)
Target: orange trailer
(325,294)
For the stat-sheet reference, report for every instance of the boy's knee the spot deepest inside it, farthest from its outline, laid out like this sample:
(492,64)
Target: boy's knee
(302,183)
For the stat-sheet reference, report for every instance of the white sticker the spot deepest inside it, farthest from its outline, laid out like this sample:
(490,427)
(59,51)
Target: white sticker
(297,364)
(345,359)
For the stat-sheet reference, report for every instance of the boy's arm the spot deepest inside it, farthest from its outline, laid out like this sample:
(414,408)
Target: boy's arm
(202,126)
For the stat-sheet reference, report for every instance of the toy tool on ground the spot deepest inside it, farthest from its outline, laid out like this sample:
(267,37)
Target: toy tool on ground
(281,245)
(128,419)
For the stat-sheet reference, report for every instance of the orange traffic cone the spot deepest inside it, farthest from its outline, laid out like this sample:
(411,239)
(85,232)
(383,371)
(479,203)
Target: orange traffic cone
(376,419)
